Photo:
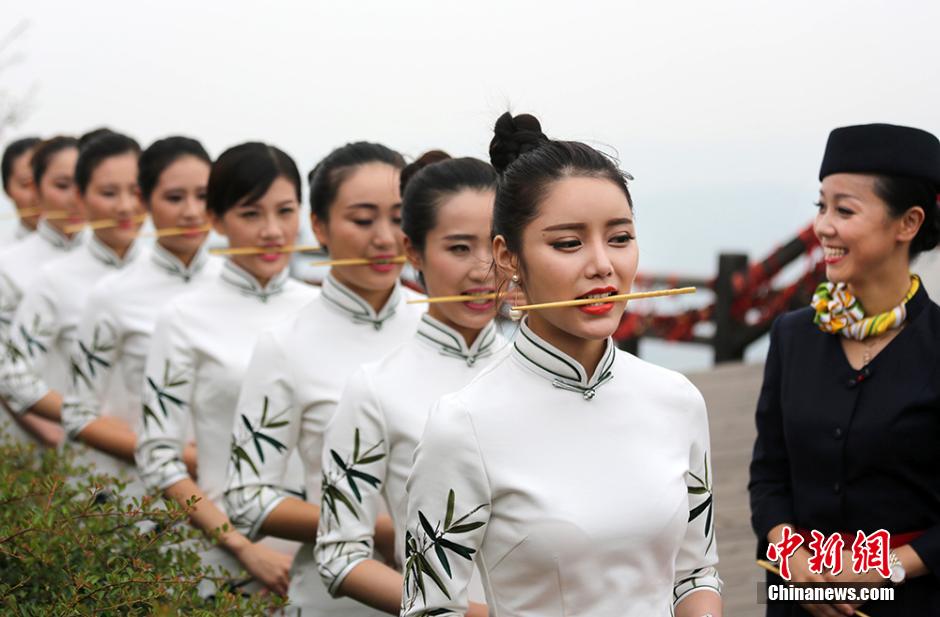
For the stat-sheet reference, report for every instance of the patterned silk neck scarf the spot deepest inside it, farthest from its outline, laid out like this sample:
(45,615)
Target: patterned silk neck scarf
(839,312)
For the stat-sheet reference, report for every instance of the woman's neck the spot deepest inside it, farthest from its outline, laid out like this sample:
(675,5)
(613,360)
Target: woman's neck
(119,249)
(883,289)
(587,352)
(375,299)
(185,257)
(469,334)
(60,226)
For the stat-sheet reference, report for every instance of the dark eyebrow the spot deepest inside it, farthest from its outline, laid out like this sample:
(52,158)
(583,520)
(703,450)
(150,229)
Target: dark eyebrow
(364,206)
(581,226)
(467,237)
(255,204)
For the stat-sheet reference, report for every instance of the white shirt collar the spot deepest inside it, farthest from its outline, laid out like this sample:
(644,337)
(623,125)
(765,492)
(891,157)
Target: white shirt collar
(451,343)
(170,263)
(564,372)
(56,238)
(350,303)
(21,231)
(248,285)
(103,253)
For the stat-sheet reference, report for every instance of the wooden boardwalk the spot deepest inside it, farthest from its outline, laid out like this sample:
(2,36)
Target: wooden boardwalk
(731,394)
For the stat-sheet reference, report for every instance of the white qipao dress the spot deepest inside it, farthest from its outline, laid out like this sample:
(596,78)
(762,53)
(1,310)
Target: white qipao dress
(198,358)
(114,337)
(19,265)
(290,393)
(45,326)
(370,442)
(578,495)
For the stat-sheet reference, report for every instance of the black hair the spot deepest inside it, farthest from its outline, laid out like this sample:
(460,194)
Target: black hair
(429,180)
(13,151)
(901,193)
(529,162)
(44,152)
(245,172)
(160,155)
(92,134)
(96,150)
(326,178)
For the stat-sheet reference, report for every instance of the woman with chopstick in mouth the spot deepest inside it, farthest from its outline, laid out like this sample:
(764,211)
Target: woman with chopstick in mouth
(38,370)
(17,175)
(576,477)
(118,321)
(447,212)
(202,342)
(300,365)
(53,171)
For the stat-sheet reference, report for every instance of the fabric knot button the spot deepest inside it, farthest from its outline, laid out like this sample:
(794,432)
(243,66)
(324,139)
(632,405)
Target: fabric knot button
(377,325)
(589,394)
(837,433)
(471,361)
(836,488)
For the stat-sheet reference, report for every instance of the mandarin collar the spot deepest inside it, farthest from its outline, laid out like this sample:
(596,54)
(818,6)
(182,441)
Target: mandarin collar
(451,343)
(56,238)
(248,285)
(21,231)
(106,255)
(352,305)
(171,264)
(563,371)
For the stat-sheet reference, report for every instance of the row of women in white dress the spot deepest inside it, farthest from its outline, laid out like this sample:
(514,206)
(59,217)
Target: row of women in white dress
(556,475)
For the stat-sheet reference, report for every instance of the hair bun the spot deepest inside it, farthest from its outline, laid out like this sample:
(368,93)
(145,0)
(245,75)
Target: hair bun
(428,158)
(513,137)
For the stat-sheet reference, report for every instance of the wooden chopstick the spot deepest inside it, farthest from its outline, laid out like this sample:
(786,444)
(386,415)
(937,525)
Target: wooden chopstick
(175,231)
(617,298)
(773,570)
(360,262)
(21,214)
(259,250)
(461,298)
(57,215)
(102,224)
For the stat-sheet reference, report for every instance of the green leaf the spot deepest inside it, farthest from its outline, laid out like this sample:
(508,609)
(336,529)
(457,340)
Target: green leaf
(427,569)
(697,490)
(466,527)
(338,494)
(243,456)
(449,517)
(442,557)
(463,551)
(428,529)
(339,460)
(354,488)
(276,424)
(697,510)
(150,415)
(274,442)
(371,459)
(356,445)
(375,482)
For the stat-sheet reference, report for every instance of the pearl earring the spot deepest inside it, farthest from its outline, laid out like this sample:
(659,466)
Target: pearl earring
(515,278)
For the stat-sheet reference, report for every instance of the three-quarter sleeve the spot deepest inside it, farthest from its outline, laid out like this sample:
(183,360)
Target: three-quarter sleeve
(32,336)
(355,464)
(449,505)
(9,300)
(93,357)
(167,398)
(770,486)
(265,433)
(698,553)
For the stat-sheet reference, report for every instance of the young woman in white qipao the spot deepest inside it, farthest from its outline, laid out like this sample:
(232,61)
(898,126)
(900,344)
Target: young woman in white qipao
(37,368)
(575,475)
(53,171)
(200,348)
(447,211)
(300,365)
(17,174)
(118,321)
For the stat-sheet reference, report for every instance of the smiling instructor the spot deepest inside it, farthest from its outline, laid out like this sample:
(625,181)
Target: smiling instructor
(848,418)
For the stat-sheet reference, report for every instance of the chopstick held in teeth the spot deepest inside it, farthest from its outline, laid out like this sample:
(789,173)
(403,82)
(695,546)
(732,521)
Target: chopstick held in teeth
(616,298)
(21,214)
(461,298)
(360,261)
(103,224)
(175,231)
(261,250)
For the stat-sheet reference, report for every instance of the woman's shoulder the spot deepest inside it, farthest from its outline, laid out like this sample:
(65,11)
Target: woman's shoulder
(658,381)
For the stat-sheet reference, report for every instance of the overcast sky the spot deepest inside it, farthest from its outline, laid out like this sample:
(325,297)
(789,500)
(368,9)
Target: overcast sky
(719,109)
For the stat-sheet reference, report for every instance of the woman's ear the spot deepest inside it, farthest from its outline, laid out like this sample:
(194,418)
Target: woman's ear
(216,222)
(507,263)
(909,224)
(320,230)
(413,255)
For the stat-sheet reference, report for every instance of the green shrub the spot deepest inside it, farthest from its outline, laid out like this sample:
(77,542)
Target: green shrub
(70,545)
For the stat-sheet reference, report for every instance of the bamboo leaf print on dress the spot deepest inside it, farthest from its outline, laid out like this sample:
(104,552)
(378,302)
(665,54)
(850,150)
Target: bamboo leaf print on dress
(98,346)
(257,437)
(345,470)
(704,487)
(32,336)
(427,537)
(163,394)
